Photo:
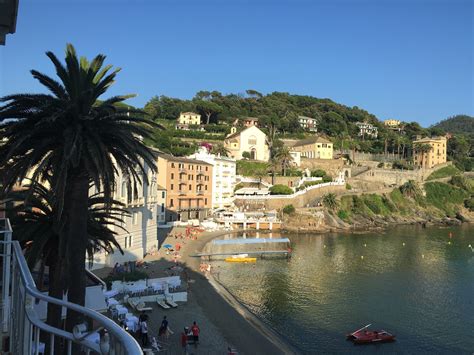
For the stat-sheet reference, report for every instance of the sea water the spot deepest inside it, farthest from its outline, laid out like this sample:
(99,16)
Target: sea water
(417,283)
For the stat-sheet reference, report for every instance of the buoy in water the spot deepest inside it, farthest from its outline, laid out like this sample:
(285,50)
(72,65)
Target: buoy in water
(325,245)
(449,243)
(423,256)
(403,243)
(365,245)
(362,257)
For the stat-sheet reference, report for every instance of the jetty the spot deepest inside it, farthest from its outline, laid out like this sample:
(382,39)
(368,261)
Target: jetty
(262,247)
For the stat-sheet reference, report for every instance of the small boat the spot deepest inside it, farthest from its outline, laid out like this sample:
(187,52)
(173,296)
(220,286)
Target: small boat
(365,336)
(241,260)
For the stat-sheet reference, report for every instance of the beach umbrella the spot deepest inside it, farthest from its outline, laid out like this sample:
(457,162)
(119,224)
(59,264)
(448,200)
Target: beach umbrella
(167,246)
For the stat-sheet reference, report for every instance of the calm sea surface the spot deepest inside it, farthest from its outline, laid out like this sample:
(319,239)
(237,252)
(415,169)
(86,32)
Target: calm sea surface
(417,283)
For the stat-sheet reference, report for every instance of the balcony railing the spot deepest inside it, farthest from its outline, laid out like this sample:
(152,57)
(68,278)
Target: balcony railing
(23,326)
(200,192)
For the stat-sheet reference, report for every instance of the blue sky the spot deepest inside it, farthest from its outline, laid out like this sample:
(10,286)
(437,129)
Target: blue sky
(405,59)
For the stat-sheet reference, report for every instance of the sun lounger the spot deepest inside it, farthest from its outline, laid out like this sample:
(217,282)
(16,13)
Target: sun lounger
(169,300)
(132,303)
(141,307)
(162,303)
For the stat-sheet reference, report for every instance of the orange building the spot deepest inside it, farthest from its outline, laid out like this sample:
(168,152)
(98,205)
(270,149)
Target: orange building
(188,184)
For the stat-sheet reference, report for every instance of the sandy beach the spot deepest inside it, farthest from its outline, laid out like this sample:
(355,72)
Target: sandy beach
(223,321)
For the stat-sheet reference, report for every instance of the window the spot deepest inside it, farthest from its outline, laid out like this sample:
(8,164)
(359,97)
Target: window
(128,241)
(189,166)
(162,194)
(205,187)
(162,207)
(171,186)
(205,201)
(172,176)
(172,165)
(171,203)
(190,187)
(206,168)
(252,140)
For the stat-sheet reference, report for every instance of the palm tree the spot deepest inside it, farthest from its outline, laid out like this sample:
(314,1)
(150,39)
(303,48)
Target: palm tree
(260,173)
(330,201)
(76,140)
(422,149)
(33,218)
(284,159)
(410,189)
(220,149)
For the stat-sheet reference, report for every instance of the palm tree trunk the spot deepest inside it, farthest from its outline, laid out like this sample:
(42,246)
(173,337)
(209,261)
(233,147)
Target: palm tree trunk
(76,237)
(54,315)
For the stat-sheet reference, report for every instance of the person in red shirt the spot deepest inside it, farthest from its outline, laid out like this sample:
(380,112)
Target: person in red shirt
(195,330)
(184,340)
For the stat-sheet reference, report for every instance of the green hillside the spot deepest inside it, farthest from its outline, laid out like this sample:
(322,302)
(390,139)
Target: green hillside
(462,124)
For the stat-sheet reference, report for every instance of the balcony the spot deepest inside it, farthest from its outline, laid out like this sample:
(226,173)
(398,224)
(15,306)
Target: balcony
(182,170)
(200,192)
(22,323)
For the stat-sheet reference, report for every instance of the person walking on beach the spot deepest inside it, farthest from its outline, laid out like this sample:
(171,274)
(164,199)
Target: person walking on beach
(195,330)
(184,340)
(164,330)
(144,332)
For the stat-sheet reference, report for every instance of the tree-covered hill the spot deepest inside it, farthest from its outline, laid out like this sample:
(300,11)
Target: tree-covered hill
(457,124)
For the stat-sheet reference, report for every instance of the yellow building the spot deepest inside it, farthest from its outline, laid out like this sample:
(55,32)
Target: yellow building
(428,158)
(189,118)
(392,123)
(314,148)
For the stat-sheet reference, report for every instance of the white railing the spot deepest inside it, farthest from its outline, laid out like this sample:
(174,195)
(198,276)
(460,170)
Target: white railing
(298,193)
(28,333)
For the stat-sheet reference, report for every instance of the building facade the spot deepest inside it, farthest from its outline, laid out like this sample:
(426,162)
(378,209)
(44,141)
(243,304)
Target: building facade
(251,140)
(223,177)
(308,123)
(188,185)
(367,130)
(138,231)
(161,205)
(392,123)
(187,119)
(314,148)
(428,158)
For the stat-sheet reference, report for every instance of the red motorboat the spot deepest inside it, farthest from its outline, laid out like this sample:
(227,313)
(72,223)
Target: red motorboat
(365,336)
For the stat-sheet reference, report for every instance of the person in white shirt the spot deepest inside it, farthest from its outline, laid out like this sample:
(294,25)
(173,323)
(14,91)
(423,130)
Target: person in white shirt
(144,332)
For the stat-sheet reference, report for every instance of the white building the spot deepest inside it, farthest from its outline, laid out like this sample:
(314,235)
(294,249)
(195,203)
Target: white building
(161,205)
(139,231)
(251,140)
(223,179)
(367,129)
(296,158)
(308,123)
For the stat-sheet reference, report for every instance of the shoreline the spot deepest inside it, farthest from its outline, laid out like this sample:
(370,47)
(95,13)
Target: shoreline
(236,322)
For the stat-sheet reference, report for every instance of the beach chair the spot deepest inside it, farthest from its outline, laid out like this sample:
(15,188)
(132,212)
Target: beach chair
(162,303)
(169,301)
(141,307)
(132,303)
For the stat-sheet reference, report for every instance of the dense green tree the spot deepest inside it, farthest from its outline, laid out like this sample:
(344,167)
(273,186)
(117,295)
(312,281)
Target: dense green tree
(208,109)
(74,141)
